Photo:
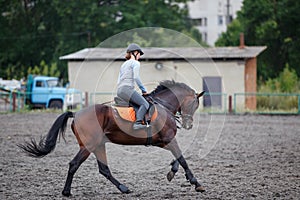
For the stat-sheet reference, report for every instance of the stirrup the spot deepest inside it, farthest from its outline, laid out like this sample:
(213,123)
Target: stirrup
(139,125)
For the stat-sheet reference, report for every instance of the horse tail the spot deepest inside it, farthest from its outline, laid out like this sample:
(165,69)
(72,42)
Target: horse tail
(47,143)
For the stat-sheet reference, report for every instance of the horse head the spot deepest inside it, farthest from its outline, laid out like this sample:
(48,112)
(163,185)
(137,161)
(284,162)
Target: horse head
(187,109)
(178,97)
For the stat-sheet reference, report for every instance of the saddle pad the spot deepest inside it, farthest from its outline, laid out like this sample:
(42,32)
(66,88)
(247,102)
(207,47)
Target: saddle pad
(128,113)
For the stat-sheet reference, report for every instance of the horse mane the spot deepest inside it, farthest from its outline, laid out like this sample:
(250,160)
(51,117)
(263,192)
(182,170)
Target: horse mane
(168,84)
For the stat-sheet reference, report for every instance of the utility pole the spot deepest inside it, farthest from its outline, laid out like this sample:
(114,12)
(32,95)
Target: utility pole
(89,38)
(228,12)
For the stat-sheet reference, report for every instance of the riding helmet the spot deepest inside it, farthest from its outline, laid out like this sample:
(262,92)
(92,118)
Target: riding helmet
(134,47)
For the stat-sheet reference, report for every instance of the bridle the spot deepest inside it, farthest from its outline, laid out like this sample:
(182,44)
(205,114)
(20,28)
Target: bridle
(187,116)
(168,106)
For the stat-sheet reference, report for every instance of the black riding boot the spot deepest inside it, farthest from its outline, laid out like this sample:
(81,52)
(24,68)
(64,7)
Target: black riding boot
(139,125)
(140,114)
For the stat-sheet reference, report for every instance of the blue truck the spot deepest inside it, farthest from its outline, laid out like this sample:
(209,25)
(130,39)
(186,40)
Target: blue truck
(46,92)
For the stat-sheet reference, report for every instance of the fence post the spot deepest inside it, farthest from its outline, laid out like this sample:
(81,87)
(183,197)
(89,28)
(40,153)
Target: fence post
(86,99)
(234,102)
(14,102)
(19,101)
(298,104)
(230,104)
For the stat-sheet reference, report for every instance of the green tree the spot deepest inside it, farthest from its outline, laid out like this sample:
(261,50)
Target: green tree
(232,35)
(36,30)
(27,35)
(273,23)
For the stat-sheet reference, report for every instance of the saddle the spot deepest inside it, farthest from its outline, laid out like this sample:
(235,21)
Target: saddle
(127,110)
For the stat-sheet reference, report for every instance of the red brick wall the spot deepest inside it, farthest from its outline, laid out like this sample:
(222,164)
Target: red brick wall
(250,83)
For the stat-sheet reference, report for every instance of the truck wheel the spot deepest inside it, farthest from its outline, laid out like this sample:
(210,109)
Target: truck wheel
(56,104)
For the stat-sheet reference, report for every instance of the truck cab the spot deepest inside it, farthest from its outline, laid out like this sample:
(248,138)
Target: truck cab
(46,92)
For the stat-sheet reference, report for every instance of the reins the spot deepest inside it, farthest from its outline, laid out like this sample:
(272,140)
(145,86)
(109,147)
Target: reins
(188,116)
(108,102)
(157,100)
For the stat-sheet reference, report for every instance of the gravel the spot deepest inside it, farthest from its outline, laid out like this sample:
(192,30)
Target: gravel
(233,156)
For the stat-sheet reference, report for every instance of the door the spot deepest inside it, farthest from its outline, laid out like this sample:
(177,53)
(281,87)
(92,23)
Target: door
(212,85)
(40,92)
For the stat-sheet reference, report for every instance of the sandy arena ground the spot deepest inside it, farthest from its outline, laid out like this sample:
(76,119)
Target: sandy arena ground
(233,156)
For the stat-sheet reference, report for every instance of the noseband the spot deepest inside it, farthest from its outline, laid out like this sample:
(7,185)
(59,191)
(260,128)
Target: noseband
(186,117)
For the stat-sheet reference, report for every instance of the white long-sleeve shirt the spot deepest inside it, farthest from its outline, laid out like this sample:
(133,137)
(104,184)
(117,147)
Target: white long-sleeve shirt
(129,75)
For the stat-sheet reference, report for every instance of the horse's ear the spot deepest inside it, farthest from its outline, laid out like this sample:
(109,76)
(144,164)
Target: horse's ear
(200,94)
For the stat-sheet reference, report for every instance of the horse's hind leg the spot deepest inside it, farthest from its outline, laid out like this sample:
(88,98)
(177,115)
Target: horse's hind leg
(100,153)
(81,156)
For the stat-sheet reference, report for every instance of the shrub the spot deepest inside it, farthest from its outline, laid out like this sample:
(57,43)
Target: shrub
(286,82)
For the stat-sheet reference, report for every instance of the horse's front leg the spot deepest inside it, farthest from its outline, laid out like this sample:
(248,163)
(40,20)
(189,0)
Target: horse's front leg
(174,148)
(189,175)
(174,169)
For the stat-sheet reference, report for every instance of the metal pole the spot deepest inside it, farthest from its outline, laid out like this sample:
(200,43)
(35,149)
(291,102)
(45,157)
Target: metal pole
(234,103)
(227,12)
(86,99)
(14,102)
(230,104)
(89,38)
(19,101)
(298,104)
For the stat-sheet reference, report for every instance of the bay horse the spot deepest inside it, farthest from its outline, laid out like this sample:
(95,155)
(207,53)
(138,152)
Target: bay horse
(96,125)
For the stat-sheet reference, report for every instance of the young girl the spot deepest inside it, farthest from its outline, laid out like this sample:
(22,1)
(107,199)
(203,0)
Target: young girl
(128,77)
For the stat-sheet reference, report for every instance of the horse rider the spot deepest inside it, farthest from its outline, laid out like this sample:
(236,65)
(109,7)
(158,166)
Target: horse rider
(128,77)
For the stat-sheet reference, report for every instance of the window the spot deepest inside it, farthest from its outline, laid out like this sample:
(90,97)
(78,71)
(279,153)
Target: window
(220,20)
(198,22)
(205,21)
(39,84)
(230,18)
(53,83)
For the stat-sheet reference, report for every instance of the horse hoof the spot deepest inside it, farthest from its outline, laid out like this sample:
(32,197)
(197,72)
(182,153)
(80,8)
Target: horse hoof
(170,175)
(200,189)
(66,193)
(124,189)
